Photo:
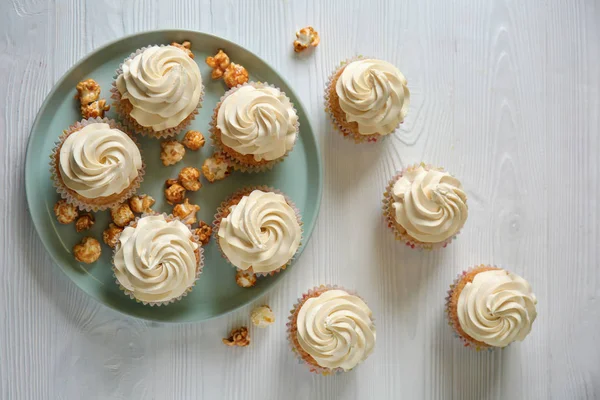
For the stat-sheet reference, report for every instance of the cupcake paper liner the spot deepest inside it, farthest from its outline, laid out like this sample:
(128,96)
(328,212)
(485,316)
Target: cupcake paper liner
(388,214)
(223,208)
(132,123)
(199,256)
(302,356)
(467,341)
(219,147)
(81,202)
(342,126)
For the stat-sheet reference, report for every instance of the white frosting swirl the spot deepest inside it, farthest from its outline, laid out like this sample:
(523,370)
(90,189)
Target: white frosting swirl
(373,93)
(155,260)
(429,204)
(258,120)
(262,232)
(99,161)
(497,308)
(336,329)
(163,84)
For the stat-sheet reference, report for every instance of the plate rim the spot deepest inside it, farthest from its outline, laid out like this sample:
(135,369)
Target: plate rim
(37,121)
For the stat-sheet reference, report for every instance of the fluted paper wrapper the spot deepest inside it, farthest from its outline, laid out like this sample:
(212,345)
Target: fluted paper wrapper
(235,162)
(223,209)
(132,123)
(388,214)
(199,258)
(81,202)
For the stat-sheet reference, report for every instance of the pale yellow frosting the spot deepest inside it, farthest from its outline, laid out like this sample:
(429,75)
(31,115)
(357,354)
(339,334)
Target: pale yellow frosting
(262,232)
(374,94)
(163,84)
(155,260)
(258,120)
(429,204)
(497,308)
(99,161)
(336,329)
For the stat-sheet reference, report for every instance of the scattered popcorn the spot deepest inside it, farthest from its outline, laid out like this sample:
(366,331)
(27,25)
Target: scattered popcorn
(88,91)
(218,63)
(84,222)
(65,212)
(193,140)
(122,215)
(189,177)
(141,204)
(216,168)
(185,46)
(110,236)
(262,316)
(186,212)
(306,37)
(172,152)
(88,251)
(238,337)
(95,109)
(245,278)
(235,75)
(204,231)
(175,193)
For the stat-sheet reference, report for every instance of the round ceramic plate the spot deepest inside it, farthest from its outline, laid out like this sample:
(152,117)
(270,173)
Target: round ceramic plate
(299,176)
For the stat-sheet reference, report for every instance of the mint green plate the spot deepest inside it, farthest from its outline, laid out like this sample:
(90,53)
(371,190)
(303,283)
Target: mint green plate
(300,176)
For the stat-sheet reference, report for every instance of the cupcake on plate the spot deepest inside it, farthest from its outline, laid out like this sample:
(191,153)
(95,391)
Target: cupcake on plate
(157,91)
(258,230)
(255,126)
(425,206)
(96,165)
(157,260)
(366,99)
(488,307)
(331,330)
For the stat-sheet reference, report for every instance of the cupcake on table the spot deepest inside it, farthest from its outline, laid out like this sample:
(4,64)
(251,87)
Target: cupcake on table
(331,330)
(488,307)
(366,99)
(255,126)
(425,206)
(158,90)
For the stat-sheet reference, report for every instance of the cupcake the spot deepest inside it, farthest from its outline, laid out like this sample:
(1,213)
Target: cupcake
(425,206)
(157,260)
(96,165)
(488,307)
(367,98)
(258,230)
(331,330)
(157,91)
(255,126)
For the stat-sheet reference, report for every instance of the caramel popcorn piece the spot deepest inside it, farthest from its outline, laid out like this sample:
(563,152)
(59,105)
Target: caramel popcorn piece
(305,38)
(88,91)
(141,204)
(238,337)
(204,232)
(110,236)
(88,251)
(235,75)
(65,212)
(245,278)
(122,215)
(193,140)
(216,168)
(185,46)
(84,222)
(186,212)
(262,316)
(95,109)
(172,152)
(175,193)
(189,177)
(218,63)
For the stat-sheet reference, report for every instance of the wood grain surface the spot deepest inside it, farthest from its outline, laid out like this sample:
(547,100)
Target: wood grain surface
(505,95)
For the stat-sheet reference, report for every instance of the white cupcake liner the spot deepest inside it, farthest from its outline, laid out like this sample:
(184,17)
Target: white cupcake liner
(388,214)
(247,190)
(81,202)
(467,342)
(234,162)
(132,123)
(357,137)
(200,257)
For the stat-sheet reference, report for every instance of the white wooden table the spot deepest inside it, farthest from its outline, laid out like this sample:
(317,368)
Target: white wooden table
(505,94)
